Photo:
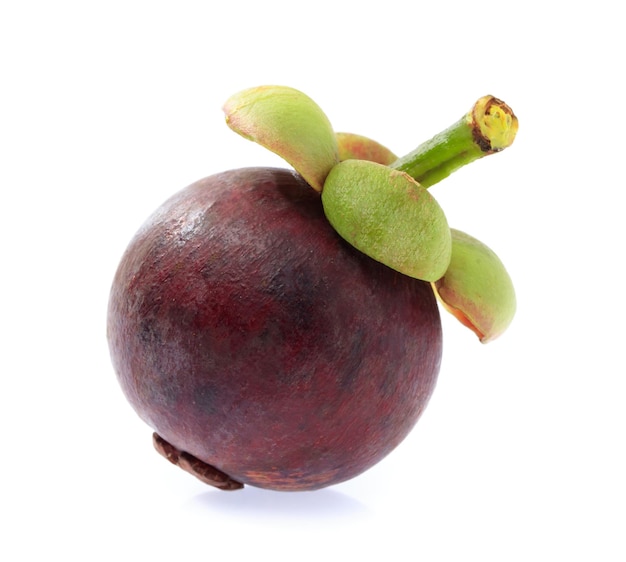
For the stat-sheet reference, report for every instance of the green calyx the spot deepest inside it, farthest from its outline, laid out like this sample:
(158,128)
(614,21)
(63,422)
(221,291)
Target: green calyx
(380,203)
(388,216)
(289,123)
(476,288)
(358,147)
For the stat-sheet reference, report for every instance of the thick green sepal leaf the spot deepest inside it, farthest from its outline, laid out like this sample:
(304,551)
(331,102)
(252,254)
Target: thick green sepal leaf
(477,288)
(289,123)
(388,216)
(358,147)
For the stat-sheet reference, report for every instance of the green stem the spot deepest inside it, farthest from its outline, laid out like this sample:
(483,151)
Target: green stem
(490,126)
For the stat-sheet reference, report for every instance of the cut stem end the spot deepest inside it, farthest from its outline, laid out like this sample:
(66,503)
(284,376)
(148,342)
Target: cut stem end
(493,123)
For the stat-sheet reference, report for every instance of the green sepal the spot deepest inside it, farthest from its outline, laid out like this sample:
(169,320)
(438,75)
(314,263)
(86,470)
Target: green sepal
(290,124)
(476,288)
(387,215)
(358,147)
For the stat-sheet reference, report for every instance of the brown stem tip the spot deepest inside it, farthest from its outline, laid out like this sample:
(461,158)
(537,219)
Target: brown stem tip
(201,470)
(493,123)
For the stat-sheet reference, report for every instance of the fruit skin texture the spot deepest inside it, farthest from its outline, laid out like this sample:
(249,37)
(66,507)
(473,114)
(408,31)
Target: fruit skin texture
(247,333)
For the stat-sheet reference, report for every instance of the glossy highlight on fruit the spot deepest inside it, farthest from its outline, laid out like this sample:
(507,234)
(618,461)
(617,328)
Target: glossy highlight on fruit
(246,332)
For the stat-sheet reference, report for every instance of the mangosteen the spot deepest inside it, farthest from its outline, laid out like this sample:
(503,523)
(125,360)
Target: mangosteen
(280,327)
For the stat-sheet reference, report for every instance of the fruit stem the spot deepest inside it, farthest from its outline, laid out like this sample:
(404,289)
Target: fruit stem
(490,126)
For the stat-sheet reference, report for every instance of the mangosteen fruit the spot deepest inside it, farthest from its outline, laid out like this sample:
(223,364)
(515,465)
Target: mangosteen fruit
(280,327)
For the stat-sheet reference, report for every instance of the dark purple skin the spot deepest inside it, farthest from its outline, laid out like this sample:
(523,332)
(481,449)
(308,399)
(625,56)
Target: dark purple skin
(248,334)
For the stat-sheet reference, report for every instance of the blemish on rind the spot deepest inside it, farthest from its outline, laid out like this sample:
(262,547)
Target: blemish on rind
(201,470)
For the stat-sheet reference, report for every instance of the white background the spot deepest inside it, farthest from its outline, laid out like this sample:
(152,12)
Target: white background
(107,108)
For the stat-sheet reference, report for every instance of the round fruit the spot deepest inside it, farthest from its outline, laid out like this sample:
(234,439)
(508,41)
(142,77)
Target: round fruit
(250,336)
